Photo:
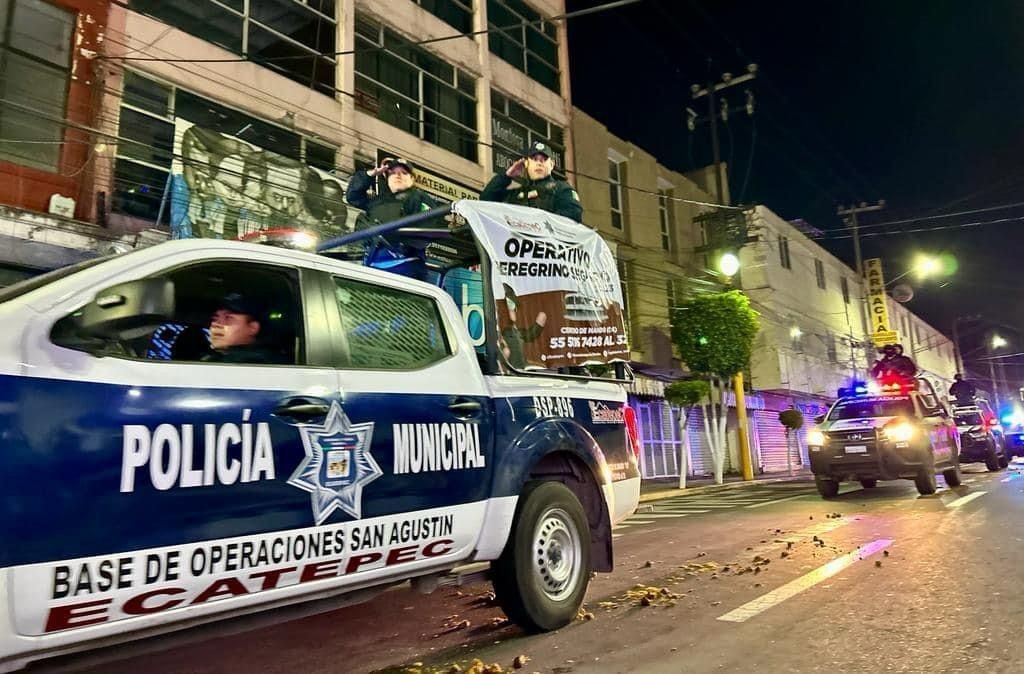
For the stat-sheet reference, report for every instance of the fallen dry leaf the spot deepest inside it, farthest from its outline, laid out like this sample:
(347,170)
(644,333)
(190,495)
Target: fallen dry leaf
(520,661)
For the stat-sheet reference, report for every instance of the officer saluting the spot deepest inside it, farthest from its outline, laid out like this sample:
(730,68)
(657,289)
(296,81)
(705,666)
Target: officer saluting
(528,182)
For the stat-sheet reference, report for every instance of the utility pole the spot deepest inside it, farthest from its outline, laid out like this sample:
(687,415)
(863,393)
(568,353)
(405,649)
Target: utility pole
(852,211)
(710,90)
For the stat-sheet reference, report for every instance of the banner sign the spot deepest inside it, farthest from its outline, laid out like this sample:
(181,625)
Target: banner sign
(556,287)
(223,187)
(878,304)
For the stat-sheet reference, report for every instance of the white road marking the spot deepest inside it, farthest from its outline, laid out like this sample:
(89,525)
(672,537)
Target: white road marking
(964,500)
(617,535)
(805,582)
(667,516)
(631,522)
(844,490)
(778,500)
(707,504)
(1006,479)
(680,510)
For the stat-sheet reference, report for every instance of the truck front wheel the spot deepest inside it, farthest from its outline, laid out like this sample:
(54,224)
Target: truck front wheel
(542,575)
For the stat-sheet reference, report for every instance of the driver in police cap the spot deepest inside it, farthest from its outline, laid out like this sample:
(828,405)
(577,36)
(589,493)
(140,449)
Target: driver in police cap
(237,332)
(528,182)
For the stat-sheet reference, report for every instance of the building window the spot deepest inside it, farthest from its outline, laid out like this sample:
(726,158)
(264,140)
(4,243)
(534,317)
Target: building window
(520,37)
(455,13)
(845,286)
(410,88)
(293,37)
(830,345)
(819,272)
(784,252)
(615,171)
(148,115)
(672,296)
(663,218)
(513,127)
(35,59)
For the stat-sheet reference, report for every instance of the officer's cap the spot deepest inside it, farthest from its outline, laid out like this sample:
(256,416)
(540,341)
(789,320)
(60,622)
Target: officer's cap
(237,303)
(537,147)
(395,163)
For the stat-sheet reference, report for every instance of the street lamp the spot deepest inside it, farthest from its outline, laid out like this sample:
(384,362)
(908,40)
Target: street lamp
(924,266)
(728,264)
(795,332)
(998,342)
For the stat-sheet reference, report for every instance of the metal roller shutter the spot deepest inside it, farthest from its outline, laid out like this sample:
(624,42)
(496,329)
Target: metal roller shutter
(700,451)
(771,436)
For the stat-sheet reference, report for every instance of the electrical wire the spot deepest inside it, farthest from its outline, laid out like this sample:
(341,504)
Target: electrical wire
(349,52)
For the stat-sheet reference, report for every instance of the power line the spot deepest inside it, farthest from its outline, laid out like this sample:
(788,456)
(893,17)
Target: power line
(348,52)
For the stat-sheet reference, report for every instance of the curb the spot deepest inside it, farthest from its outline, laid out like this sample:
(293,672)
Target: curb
(661,494)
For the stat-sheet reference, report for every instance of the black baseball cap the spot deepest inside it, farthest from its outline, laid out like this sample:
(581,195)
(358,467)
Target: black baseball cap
(401,162)
(237,303)
(538,147)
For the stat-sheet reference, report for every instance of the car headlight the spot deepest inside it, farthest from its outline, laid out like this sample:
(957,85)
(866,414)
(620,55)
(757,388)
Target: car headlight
(816,438)
(900,432)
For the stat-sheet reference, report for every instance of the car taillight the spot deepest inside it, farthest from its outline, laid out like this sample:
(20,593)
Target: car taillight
(632,429)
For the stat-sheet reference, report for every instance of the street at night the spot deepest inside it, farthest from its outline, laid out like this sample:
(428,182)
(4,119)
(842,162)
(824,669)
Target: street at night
(482,336)
(755,578)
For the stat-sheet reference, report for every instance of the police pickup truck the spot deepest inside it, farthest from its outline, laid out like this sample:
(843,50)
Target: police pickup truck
(380,432)
(888,432)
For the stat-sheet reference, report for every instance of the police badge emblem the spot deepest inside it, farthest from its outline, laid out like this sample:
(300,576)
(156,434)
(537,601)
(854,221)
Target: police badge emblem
(337,465)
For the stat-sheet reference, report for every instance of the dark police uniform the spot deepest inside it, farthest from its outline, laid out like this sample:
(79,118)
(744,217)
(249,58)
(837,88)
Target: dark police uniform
(550,194)
(386,206)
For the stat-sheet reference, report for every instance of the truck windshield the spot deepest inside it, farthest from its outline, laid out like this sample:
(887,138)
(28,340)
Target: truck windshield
(969,419)
(872,407)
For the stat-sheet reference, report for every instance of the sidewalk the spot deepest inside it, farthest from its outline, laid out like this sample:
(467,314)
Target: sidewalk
(662,488)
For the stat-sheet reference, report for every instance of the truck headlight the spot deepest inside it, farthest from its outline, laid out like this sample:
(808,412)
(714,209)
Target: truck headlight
(900,432)
(815,438)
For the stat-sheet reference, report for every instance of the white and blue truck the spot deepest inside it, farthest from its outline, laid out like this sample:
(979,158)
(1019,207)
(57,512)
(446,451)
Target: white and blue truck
(396,430)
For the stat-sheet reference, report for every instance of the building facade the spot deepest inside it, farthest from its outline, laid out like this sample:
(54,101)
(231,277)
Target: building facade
(814,335)
(218,118)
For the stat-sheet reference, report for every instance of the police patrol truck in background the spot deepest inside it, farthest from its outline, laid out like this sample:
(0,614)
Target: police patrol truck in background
(146,487)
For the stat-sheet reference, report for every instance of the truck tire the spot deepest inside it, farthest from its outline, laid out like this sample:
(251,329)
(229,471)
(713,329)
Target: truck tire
(543,572)
(992,459)
(869,483)
(925,480)
(827,487)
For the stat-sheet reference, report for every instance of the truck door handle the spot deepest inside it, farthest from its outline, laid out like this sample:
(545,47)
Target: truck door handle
(302,408)
(464,409)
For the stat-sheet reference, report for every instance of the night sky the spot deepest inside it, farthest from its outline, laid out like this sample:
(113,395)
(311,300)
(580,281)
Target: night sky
(918,103)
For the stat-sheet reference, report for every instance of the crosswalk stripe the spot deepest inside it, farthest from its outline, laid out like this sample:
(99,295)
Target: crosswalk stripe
(778,500)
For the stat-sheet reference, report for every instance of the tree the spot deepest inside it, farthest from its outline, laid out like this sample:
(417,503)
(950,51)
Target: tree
(715,336)
(685,394)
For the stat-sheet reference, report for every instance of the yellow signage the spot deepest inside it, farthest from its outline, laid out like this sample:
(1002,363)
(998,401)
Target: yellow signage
(878,304)
(883,338)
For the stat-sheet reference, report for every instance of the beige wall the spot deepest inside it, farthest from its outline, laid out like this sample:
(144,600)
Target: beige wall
(638,243)
(791,298)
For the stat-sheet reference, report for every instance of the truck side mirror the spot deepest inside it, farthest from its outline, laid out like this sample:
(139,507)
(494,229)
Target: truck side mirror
(129,309)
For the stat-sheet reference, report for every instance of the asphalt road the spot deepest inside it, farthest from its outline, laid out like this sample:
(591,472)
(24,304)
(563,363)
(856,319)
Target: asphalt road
(754,579)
